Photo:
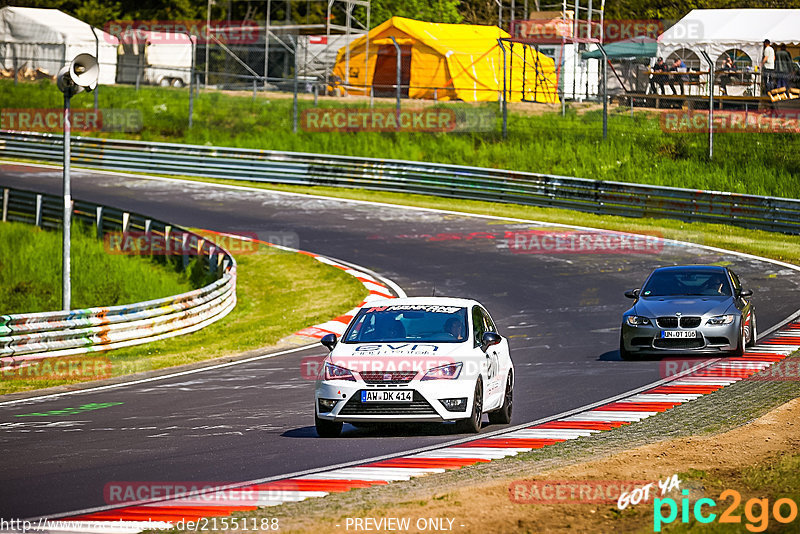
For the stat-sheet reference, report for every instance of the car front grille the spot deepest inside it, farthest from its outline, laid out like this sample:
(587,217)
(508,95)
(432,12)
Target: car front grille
(418,406)
(388,377)
(667,322)
(672,322)
(690,322)
(690,343)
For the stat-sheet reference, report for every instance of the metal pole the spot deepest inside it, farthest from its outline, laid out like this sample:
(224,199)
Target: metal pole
(366,56)
(66,289)
(605,90)
(97,55)
(266,43)
(348,22)
(192,86)
(505,104)
(294,99)
(208,39)
(397,81)
(710,105)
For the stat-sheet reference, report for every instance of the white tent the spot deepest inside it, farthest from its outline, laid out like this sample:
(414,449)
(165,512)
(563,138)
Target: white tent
(49,38)
(718,31)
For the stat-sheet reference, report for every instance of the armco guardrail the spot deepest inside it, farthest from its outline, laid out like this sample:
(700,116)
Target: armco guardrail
(63,333)
(455,181)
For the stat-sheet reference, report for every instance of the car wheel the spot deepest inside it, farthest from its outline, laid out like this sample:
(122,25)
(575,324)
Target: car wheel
(327,429)
(739,345)
(163,82)
(502,416)
(751,340)
(623,353)
(472,424)
(176,82)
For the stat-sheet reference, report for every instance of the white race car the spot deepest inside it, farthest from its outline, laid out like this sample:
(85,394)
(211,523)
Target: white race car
(421,359)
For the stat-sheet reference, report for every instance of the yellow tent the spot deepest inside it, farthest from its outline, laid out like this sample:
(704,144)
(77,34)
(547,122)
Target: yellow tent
(444,61)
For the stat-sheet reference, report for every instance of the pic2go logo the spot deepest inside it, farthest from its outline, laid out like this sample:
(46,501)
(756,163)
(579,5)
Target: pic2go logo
(756,511)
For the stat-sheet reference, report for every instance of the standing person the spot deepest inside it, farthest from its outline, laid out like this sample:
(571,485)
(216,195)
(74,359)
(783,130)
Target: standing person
(783,66)
(767,65)
(677,66)
(725,79)
(658,79)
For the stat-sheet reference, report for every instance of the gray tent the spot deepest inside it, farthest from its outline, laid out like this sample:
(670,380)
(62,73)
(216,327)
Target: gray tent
(48,38)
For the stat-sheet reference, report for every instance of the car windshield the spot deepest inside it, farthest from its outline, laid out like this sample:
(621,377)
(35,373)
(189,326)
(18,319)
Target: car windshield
(425,323)
(687,283)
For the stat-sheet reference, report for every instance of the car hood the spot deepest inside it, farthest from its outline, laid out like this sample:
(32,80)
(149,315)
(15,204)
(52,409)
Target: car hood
(661,306)
(398,356)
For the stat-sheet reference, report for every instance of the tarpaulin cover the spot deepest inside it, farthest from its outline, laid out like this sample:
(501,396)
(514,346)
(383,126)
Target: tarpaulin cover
(463,62)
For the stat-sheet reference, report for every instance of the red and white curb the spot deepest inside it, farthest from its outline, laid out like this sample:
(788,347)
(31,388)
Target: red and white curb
(377,291)
(658,397)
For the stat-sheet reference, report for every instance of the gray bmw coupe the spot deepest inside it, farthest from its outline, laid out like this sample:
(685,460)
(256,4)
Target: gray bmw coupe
(689,309)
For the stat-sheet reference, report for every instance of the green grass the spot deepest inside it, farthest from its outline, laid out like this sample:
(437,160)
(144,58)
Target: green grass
(637,150)
(278,294)
(30,272)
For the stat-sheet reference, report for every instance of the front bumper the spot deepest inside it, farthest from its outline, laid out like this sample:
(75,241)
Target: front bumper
(713,339)
(425,407)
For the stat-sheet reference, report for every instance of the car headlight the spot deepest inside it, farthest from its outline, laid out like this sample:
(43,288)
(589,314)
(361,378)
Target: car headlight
(720,320)
(637,320)
(334,372)
(445,372)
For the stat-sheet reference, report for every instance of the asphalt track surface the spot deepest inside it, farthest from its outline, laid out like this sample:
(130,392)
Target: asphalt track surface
(561,313)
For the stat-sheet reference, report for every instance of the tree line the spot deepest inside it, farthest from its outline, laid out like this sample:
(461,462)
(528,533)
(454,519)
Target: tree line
(98,12)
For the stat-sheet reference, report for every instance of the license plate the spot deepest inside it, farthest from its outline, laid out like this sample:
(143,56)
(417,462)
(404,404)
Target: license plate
(679,334)
(387,396)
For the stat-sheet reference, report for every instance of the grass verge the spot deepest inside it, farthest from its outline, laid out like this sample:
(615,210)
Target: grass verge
(278,293)
(761,243)
(30,272)
(637,149)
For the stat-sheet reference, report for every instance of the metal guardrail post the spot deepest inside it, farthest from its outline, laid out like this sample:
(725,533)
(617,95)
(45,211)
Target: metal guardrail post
(5,204)
(38,213)
(184,255)
(98,221)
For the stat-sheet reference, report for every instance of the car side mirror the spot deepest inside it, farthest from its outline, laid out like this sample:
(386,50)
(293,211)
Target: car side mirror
(329,340)
(632,294)
(746,293)
(490,338)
